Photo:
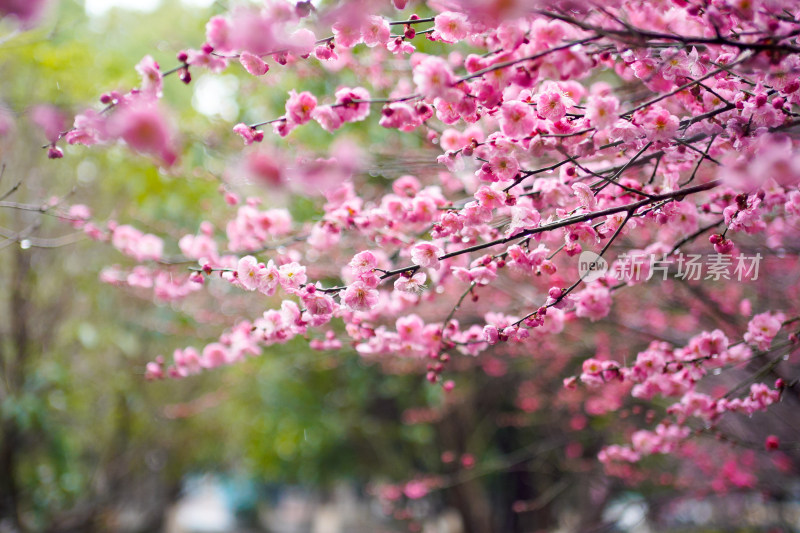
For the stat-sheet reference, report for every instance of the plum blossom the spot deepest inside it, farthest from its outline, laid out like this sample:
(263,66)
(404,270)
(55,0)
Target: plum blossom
(136,244)
(434,77)
(198,246)
(78,215)
(317,302)
(415,283)
(299,107)
(253,275)
(763,328)
(375,30)
(201,58)
(414,490)
(359,297)
(363,262)
(346,34)
(352,104)
(602,110)
(451,26)
(292,275)
(327,117)
(426,255)
(594,302)
(552,103)
(218,33)
(490,334)
(490,198)
(253,64)
(659,124)
(151,77)
(585,195)
(517,119)
(144,128)
(248,134)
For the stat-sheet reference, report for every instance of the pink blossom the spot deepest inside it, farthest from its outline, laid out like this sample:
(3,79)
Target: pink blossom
(410,328)
(198,246)
(517,119)
(353,104)
(299,107)
(426,255)
(318,303)
(451,139)
(218,33)
(327,117)
(149,247)
(618,453)
(512,33)
(406,186)
(50,119)
(593,302)
(255,31)
(415,283)
(769,157)
(268,279)
(88,128)
(187,362)
(141,277)
(324,52)
(763,328)
(360,297)
(523,217)
(585,195)
(346,34)
(144,128)
(134,243)
(301,42)
(252,228)
(371,279)
(375,30)
(602,110)
(400,46)
(552,104)
(248,134)
(414,490)
(490,198)
(248,272)
(398,115)
(772,443)
(153,370)
(675,64)
(253,64)
(483,274)
(490,334)
(214,355)
(475,214)
(78,215)
(363,262)
(292,275)
(55,152)
(200,58)
(151,77)
(451,26)
(433,77)
(659,124)
(709,344)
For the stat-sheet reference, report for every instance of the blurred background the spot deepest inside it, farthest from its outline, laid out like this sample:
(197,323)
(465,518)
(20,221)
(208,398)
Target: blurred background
(294,441)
